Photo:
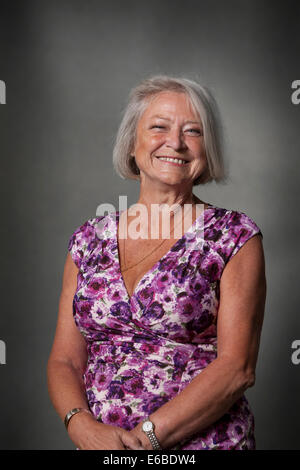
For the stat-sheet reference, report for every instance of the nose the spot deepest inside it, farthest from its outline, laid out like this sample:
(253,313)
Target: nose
(175,139)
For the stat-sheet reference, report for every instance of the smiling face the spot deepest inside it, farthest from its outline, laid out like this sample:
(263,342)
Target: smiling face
(169,128)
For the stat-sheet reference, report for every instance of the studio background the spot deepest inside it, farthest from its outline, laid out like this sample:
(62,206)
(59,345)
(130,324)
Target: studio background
(68,68)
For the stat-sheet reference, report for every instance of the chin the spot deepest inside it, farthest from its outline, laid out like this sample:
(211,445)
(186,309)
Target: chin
(170,181)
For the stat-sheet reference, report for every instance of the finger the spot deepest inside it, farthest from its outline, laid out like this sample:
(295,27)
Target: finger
(131,441)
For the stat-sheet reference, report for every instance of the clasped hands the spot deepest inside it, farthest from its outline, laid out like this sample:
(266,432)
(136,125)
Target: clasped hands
(89,434)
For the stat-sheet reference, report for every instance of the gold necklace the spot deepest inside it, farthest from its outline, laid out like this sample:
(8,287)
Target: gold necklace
(156,248)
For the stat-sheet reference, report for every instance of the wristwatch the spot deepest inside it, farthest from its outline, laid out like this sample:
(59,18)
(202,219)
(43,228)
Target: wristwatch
(148,428)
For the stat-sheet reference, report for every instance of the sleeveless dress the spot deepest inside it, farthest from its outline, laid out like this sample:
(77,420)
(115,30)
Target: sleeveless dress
(145,349)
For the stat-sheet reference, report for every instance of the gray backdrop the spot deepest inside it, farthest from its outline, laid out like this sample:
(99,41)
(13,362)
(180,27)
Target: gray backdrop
(68,68)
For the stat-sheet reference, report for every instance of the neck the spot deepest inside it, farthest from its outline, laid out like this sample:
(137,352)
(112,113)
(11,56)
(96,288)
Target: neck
(165,195)
(171,198)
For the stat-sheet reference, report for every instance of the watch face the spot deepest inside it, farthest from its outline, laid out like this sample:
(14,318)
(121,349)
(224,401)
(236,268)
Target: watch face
(147,426)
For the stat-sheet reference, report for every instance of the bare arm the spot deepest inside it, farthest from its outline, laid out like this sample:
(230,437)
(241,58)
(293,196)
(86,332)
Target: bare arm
(68,357)
(66,365)
(213,391)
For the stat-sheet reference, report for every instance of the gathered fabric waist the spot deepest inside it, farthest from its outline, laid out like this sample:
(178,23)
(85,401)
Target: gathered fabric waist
(165,354)
(160,341)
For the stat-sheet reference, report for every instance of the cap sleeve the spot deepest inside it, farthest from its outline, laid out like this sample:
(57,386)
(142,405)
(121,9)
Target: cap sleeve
(239,229)
(80,241)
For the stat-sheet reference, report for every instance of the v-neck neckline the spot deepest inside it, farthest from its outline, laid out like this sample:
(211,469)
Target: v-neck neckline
(116,219)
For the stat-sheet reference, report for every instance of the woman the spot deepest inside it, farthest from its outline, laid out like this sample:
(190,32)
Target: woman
(166,330)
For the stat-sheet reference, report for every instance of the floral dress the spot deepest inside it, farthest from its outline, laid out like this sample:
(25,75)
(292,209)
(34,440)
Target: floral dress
(145,349)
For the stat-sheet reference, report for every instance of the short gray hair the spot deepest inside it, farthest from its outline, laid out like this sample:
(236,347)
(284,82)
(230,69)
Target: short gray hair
(203,104)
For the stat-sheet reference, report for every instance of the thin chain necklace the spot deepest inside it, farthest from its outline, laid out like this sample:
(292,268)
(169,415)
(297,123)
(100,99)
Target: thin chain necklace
(156,248)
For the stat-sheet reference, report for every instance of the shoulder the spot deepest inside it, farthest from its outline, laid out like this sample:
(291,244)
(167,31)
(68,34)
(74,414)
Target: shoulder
(231,220)
(84,238)
(85,230)
(230,229)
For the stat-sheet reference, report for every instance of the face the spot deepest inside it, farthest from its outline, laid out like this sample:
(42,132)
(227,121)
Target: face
(169,128)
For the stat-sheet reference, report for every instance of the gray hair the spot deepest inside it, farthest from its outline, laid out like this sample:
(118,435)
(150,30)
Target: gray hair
(203,104)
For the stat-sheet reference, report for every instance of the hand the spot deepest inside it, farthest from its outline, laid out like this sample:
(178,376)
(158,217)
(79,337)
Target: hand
(141,436)
(89,434)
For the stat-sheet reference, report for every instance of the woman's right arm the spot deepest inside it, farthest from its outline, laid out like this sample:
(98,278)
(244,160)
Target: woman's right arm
(65,368)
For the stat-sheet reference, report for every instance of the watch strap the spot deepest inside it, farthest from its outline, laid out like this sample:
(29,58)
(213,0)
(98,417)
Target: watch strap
(152,437)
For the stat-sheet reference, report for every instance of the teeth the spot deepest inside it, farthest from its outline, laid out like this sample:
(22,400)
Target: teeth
(176,160)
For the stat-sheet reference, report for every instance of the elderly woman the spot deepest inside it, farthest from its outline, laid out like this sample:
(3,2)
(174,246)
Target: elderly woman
(158,336)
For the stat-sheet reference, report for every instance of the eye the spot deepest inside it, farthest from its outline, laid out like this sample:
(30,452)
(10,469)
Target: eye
(157,127)
(195,131)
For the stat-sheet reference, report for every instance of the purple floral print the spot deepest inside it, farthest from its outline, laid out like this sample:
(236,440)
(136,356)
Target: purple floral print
(145,349)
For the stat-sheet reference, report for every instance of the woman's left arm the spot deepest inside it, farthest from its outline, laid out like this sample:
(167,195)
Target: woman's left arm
(213,391)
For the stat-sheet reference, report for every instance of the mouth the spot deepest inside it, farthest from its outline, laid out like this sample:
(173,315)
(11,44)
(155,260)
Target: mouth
(172,160)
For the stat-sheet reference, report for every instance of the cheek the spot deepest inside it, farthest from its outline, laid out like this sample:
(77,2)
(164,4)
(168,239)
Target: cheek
(149,143)
(156,141)
(198,150)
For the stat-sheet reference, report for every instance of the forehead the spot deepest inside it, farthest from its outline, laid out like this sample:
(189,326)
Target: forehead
(169,103)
